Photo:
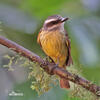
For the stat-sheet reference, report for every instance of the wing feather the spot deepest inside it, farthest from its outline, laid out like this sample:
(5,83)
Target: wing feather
(69,60)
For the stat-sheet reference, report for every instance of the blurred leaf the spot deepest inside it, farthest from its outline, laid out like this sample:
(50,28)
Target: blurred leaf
(92,73)
(44,8)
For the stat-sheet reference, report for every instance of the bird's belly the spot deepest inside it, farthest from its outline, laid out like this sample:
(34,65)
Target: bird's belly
(51,47)
(55,47)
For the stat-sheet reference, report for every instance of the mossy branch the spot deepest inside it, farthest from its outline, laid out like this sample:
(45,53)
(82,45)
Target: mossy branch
(51,68)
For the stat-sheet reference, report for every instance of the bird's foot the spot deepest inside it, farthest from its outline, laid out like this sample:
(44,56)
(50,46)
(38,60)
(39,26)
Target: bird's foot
(48,59)
(52,68)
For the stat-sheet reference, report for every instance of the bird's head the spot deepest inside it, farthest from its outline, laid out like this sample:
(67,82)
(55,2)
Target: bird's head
(54,22)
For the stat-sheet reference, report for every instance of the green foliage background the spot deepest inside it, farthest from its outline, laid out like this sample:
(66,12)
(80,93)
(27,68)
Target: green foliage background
(82,18)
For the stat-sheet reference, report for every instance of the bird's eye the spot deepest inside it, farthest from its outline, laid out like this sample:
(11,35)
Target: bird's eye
(52,23)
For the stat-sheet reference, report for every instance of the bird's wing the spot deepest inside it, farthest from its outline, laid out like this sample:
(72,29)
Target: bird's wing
(38,38)
(69,60)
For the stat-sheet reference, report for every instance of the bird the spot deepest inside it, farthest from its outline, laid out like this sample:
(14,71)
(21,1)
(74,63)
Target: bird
(54,41)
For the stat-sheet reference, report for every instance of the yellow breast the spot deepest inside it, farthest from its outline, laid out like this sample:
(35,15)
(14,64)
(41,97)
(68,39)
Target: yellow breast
(54,45)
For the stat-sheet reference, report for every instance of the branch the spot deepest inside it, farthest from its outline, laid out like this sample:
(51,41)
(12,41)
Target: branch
(51,68)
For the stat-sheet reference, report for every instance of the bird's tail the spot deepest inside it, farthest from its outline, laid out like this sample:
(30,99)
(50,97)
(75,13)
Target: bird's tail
(64,83)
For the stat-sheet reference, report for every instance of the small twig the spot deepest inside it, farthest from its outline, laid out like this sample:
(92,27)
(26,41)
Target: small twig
(51,68)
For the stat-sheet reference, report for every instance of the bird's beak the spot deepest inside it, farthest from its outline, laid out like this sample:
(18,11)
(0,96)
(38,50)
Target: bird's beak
(64,19)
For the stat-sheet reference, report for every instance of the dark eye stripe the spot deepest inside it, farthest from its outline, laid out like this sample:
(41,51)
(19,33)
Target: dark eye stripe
(52,23)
